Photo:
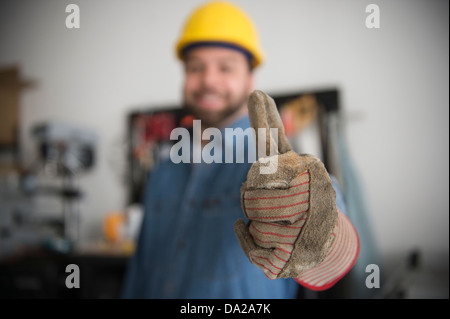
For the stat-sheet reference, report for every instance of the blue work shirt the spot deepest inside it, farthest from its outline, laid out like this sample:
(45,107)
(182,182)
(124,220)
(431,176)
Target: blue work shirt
(187,247)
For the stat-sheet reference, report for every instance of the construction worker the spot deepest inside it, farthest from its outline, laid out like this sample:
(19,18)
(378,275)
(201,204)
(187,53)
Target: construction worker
(187,247)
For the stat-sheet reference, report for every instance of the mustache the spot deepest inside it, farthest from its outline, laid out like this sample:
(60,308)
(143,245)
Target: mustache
(208,91)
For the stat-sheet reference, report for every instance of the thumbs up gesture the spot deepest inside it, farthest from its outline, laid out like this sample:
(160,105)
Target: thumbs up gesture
(291,210)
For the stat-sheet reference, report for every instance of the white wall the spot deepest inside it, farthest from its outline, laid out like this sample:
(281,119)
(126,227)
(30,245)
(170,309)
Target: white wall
(394,79)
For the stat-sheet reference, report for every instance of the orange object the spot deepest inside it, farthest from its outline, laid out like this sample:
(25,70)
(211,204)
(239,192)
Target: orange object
(113,225)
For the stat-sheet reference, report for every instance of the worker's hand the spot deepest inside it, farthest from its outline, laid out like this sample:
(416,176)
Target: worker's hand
(291,210)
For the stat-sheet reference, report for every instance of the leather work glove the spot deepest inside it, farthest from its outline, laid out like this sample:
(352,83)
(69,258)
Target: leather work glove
(292,214)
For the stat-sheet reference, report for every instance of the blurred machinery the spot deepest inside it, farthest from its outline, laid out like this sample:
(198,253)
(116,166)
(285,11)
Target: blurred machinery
(65,150)
(62,153)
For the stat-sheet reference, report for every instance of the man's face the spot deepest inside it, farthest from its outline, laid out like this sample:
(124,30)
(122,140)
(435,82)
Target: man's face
(217,83)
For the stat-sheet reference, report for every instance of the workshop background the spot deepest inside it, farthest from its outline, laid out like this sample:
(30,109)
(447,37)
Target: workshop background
(80,86)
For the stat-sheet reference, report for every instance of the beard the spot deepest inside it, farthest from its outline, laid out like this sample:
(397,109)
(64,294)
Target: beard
(213,118)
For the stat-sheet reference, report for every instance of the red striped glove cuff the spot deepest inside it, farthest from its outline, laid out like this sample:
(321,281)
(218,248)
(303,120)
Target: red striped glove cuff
(339,260)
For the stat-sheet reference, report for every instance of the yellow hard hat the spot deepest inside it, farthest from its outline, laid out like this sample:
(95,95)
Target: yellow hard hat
(220,22)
